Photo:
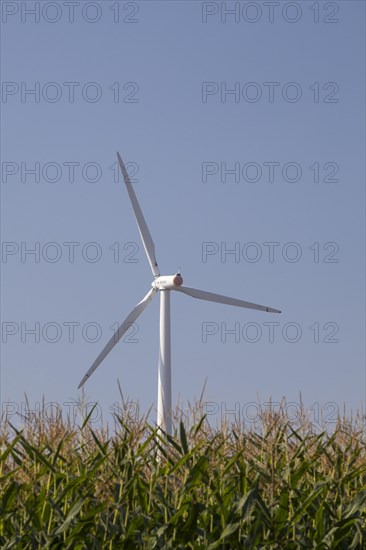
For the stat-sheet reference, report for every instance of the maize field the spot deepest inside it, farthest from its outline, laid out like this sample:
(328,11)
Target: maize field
(282,484)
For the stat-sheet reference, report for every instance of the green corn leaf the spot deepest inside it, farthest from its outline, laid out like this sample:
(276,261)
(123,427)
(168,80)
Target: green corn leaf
(183,437)
(70,516)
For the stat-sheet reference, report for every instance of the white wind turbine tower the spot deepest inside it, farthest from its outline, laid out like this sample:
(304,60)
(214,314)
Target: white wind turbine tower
(164,285)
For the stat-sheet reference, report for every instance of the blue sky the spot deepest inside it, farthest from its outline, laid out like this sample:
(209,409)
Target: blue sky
(155,85)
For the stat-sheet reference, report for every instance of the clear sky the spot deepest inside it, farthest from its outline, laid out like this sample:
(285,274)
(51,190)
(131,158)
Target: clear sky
(243,126)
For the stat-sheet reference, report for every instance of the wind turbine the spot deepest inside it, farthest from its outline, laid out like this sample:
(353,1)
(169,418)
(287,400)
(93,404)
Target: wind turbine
(163,284)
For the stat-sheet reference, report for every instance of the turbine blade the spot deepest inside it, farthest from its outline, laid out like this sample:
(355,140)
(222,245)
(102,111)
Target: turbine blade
(211,297)
(122,329)
(141,223)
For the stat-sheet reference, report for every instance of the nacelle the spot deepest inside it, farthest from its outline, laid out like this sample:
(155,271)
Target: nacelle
(167,281)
